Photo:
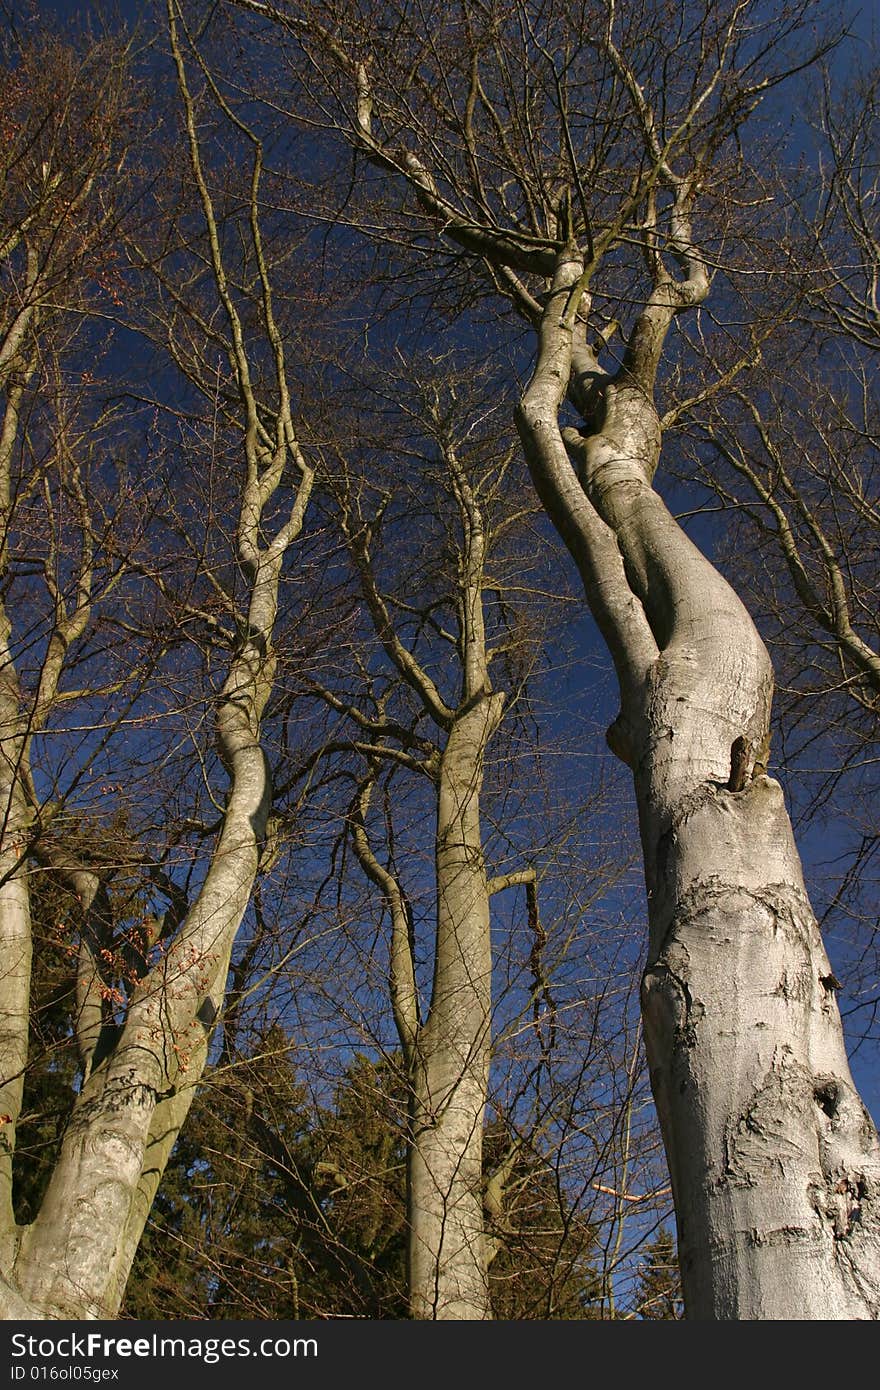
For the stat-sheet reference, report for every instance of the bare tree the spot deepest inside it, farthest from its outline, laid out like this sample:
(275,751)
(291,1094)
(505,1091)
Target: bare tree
(557,152)
(454,585)
(57,239)
(463,482)
(142,1050)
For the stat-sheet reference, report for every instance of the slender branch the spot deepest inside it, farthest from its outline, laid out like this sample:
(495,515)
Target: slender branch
(404,991)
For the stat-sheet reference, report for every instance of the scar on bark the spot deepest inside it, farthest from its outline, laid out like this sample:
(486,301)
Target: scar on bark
(740,754)
(742,770)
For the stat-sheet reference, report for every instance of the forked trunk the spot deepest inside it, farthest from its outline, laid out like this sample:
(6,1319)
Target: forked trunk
(774,1160)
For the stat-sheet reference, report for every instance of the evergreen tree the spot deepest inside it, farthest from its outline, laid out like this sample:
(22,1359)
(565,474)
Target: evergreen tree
(273,1207)
(659,1293)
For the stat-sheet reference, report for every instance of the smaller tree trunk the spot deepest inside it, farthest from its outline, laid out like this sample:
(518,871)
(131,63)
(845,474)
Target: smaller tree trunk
(448,1271)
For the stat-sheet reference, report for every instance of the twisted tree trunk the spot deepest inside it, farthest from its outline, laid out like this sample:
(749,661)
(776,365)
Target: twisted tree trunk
(774,1160)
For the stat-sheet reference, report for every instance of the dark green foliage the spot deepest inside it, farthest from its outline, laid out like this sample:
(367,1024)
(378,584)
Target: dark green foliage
(543,1266)
(273,1207)
(659,1294)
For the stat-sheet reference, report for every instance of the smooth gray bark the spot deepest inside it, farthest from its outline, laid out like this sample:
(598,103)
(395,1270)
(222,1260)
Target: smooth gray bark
(74,1259)
(447,1053)
(448,1267)
(774,1159)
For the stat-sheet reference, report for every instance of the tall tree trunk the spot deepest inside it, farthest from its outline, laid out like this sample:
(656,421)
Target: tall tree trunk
(447,1054)
(15,934)
(774,1160)
(73,1260)
(448,1271)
